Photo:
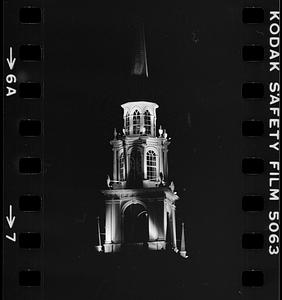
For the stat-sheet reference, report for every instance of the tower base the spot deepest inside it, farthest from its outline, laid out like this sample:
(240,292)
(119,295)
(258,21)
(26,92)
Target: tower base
(110,247)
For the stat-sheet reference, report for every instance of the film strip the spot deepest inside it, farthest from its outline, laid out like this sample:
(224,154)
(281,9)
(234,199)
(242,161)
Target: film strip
(24,152)
(23,123)
(261,203)
(253,127)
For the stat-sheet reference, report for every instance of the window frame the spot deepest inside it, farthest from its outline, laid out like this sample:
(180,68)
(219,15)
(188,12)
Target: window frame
(148,122)
(136,122)
(127,123)
(151,165)
(121,167)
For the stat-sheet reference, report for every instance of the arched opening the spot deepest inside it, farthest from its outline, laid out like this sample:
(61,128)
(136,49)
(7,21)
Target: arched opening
(147,122)
(136,122)
(135,224)
(127,123)
(135,171)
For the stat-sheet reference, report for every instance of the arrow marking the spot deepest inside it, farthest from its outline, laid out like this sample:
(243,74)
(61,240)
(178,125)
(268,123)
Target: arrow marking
(12,238)
(11,61)
(11,218)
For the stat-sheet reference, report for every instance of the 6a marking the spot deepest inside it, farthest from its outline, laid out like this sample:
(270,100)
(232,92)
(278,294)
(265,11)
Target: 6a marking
(11,220)
(11,78)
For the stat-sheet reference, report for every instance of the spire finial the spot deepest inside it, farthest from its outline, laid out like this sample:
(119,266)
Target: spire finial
(108,180)
(182,246)
(99,247)
(115,133)
(161,130)
(172,186)
(165,134)
(140,66)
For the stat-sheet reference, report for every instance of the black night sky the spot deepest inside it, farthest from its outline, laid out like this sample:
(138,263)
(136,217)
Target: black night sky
(195,75)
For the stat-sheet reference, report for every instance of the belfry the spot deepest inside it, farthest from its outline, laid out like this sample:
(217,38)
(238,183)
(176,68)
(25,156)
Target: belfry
(140,202)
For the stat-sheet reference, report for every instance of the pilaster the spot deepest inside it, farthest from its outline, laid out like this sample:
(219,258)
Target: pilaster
(173,221)
(115,164)
(161,160)
(165,164)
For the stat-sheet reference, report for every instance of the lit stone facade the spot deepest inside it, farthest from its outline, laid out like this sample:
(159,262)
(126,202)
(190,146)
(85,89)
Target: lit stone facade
(140,206)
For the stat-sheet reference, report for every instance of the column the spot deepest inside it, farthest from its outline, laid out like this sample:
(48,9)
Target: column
(125,162)
(130,124)
(142,121)
(108,223)
(113,226)
(165,217)
(99,246)
(173,228)
(115,164)
(152,125)
(144,163)
(160,208)
(153,229)
(183,247)
(116,223)
(161,169)
(165,164)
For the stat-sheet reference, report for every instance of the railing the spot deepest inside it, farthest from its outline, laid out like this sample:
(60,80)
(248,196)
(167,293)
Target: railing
(121,184)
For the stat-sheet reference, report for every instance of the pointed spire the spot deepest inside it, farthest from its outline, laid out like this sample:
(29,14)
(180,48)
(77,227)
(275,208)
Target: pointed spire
(115,133)
(140,66)
(182,246)
(99,247)
(108,180)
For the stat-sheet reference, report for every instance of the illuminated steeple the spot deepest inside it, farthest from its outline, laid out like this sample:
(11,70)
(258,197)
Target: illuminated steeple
(140,206)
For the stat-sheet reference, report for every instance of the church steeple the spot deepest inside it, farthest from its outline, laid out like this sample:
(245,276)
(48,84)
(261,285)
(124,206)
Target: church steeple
(140,206)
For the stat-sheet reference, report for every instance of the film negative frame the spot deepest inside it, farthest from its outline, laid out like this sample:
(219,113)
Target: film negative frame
(24,149)
(24,163)
(260,202)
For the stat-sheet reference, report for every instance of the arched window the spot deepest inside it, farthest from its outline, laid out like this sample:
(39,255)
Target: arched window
(151,165)
(135,173)
(147,122)
(136,122)
(127,124)
(121,167)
